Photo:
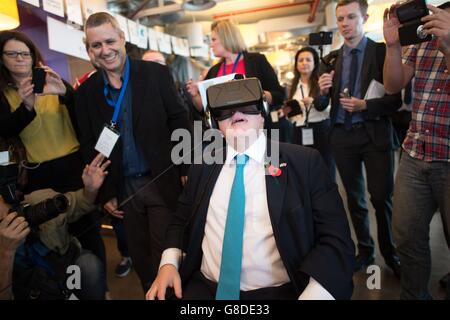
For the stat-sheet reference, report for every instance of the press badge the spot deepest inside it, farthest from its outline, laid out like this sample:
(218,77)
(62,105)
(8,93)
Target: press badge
(307,136)
(107,140)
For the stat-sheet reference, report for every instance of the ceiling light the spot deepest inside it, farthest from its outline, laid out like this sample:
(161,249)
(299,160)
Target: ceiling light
(9,15)
(198,5)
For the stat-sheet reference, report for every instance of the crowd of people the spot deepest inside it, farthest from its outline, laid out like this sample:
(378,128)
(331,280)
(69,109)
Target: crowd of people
(244,227)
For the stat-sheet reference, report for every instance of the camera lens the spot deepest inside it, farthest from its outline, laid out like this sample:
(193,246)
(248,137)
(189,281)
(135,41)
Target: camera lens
(420,33)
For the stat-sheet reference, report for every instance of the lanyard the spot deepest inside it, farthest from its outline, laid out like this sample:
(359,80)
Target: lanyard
(234,65)
(118,103)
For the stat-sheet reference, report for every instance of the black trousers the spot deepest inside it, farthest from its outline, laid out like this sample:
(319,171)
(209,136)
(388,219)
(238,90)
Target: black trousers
(351,150)
(200,288)
(321,131)
(146,219)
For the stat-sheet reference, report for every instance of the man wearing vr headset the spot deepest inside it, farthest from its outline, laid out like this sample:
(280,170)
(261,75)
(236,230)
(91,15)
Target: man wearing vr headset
(249,229)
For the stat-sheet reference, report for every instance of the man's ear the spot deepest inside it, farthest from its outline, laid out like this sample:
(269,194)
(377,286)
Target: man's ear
(365,18)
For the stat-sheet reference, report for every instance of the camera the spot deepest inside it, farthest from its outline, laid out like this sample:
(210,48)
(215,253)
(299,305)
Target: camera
(409,15)
(320,38)
(295,108)
(33,214)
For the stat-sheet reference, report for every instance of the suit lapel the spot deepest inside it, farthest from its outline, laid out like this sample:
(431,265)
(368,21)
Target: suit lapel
(249,66)
(138,93)
(276,190)
(210,175)
(369,55)
(105,110)
(337,74)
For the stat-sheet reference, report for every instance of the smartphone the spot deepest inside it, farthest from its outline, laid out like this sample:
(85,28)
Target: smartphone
(38,80)
(346,93)
(295,107)
(320,38)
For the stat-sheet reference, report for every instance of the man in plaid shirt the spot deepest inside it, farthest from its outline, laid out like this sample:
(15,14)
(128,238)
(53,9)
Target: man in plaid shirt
(423,178)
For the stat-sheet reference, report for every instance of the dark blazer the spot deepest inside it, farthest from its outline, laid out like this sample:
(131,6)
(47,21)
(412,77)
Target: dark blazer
(256,65)
(157,111)
(378,123)
(308,219)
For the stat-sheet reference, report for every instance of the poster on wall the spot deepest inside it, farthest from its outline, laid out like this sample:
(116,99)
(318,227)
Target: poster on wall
(152,39)
(123,25)
(133,31)
(54,6)
(164,42)
(65,39)
(74,11)
(33,2)
(142,35)
(180,46)
(89,7)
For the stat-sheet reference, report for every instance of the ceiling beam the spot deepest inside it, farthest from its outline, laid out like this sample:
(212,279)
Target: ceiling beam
(312,13)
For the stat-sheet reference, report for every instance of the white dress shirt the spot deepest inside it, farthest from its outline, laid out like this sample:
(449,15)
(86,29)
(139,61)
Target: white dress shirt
(314,114)
(261,261)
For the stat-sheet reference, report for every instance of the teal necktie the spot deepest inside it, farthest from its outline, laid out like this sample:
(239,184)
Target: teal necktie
(230,268)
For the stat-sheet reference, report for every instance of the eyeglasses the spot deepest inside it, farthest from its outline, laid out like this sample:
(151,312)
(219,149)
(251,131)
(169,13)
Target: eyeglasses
(223,114)
(14,54)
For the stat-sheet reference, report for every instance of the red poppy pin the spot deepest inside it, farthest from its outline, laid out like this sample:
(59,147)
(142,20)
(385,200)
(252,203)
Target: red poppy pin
(274,171)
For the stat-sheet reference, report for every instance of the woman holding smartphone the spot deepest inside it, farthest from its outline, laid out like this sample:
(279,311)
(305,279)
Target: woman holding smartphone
(42,121)
(311,127)
(42,124)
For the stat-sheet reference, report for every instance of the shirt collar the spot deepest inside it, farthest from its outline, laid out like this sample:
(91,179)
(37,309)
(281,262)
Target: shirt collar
(360,47)
(255,151)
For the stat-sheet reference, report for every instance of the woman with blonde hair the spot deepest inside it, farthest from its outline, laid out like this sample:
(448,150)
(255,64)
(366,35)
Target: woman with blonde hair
(228,44)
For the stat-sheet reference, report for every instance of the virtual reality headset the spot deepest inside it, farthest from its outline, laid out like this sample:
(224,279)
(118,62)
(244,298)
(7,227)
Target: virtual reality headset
(243,95)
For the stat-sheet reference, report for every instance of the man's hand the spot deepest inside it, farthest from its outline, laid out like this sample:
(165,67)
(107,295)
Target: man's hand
(184,180)
(268,97)
(93,176)
(390,26)
(326,82)
(353,104)
(111,208)
(13,231)
(53,83)
(438,24)
(192,88)
(168,276)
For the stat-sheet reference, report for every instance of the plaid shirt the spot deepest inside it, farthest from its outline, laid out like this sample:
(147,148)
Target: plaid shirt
(428,137)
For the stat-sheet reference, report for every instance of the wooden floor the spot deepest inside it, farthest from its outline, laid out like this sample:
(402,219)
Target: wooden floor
(129,287)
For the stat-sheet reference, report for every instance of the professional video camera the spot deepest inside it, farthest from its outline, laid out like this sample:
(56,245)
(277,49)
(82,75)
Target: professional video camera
(409,15)
(33,214)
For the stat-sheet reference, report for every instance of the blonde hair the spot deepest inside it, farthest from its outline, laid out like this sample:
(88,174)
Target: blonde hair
(229,35)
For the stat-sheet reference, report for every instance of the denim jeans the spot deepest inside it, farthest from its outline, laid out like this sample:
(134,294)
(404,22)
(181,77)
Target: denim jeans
(420,189)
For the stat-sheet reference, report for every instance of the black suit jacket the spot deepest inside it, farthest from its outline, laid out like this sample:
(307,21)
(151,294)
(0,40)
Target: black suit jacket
(157,111)
(256,65)
(308,219)
(378,123)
